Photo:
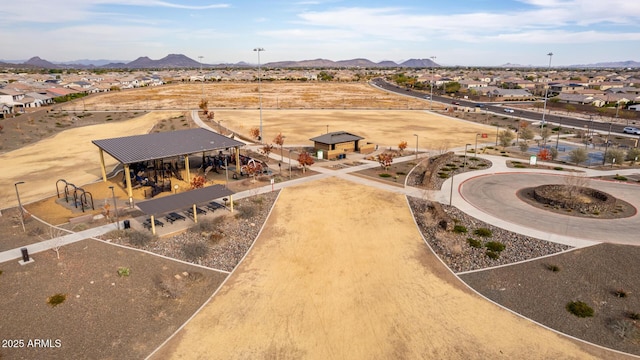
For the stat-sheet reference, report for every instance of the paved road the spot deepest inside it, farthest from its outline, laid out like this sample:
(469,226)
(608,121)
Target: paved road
(495,195)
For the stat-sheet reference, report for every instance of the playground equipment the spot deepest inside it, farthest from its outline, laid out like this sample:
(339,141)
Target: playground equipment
(155,174)
(79,195)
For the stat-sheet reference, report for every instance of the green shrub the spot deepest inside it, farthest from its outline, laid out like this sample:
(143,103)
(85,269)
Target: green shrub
(492,254)
(0,272)
(520,166)
(459,229)
(559,168)
(553,268)
(443,175)
(579,309)
(495,246)
(57,299)
(401,173)
(484,232)
(633,315)
(384,175)
(620,177)
(474,243)
(124,271)
(482,165)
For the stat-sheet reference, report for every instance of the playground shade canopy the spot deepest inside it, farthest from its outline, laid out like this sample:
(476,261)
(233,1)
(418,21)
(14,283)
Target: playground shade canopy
(183,200)
(139,148)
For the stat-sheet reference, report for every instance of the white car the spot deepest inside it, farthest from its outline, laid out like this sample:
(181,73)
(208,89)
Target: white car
(631,130)
(507,110)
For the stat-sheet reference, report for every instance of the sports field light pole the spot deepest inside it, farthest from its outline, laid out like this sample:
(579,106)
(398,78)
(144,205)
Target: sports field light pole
(432,79)
(260,90)
(115,206)
(546,93)
(416,135)
(20,205)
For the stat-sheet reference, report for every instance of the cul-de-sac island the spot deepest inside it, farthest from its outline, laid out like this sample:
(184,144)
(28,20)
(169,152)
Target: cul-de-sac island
(319,212)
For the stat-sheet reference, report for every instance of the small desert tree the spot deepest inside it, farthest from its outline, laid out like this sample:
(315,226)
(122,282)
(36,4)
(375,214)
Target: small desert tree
(266,150)
(574,183)
(385,160)
(544,154)
(279,140)
(578,155)
(554,153)
(632,155)
(204,106)
(612,154)
(544,134)
(523,146)
(254,132)
(198,182)
(305,160)
(402,146)
(505,137)
(526,133)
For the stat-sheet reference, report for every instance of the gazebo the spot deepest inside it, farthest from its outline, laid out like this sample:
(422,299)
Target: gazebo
(139,148)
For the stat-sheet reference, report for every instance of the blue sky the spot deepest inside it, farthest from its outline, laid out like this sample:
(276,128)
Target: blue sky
(461,32)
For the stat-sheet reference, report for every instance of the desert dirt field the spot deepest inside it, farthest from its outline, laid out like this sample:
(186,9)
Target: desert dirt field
(70,155)
(355,282)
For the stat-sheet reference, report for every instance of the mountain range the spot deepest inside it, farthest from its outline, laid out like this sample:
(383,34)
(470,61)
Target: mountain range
(177,61)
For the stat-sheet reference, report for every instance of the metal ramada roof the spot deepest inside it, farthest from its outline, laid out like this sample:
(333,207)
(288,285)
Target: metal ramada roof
(336,138)
(137,148)
(183,200)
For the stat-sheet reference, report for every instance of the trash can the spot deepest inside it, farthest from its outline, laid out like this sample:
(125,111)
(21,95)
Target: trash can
(127,224)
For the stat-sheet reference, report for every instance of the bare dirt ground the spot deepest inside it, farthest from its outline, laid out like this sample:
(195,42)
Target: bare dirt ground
(466,321)
(353,282)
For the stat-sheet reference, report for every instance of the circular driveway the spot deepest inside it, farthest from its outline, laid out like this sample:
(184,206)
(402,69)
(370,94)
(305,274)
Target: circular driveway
(495,194)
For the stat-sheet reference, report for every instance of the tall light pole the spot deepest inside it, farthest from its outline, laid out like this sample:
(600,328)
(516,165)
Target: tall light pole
(258,50)
(475,151)
(546,92)
(432,80)
(20,205)
(202,75)
(115,206)
(416,135)
(604,157)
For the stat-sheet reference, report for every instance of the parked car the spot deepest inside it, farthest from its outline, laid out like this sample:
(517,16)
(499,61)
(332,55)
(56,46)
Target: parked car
(507,110)
(480,105)
(631,130)
(427,97)
(455,102)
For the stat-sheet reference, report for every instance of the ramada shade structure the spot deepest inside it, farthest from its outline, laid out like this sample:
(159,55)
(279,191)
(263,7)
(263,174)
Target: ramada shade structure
(191,198)
(137,148)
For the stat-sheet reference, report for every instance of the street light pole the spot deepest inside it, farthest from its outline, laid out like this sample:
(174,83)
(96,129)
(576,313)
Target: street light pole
(432,79)
(416,135)
(258,50)
(20,205)
(546,92)
(464,162)
(115,206)
(201,74)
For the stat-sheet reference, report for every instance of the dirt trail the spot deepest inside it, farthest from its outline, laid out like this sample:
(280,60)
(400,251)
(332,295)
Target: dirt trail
(353,281)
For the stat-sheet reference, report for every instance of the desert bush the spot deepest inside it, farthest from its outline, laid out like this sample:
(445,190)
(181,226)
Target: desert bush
(139,238)
(170,286)
(194,251)
(624,328)
(633,315)
(459,229)
(57,299)
(559,168)
(620,293)
(443,175)
(553,268)
(384,175)
(474,243)
(492,254)
(579,309)
(484,232)
(620,178)
(124,271)
(206,225)
(495,246)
